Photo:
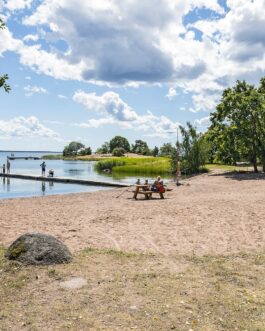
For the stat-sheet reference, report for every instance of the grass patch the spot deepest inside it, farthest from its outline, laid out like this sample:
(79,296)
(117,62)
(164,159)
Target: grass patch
(226,167)
(136,166)
(52,157)
(76,158)
(108,251)
(128,291)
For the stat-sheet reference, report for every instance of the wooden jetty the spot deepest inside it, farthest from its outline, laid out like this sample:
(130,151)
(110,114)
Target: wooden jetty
(64,180)
(23,158)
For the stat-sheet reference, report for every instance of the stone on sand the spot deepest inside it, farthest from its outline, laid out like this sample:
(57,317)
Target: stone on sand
(38,249)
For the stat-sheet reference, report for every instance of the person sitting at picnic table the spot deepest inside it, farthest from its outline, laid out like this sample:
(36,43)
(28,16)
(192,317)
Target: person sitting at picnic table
(158,185)
(147,186)
(138,182)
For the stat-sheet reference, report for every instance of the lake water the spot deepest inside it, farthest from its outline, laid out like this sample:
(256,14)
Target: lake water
(12,188)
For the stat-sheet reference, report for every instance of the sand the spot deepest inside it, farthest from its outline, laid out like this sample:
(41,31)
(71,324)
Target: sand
(209,214)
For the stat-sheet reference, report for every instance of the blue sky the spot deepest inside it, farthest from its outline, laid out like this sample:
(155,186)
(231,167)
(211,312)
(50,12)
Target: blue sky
(89,70)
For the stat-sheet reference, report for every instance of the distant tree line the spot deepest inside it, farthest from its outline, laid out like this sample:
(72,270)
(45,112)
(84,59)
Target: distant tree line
(119,146)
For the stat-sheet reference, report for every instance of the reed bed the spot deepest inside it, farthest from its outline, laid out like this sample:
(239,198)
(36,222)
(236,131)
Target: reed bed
(131,166)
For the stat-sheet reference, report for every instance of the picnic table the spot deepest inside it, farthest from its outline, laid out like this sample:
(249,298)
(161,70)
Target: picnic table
(145,189)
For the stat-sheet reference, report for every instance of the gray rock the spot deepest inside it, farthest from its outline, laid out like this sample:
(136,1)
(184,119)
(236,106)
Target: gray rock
(38,249)
(74,283)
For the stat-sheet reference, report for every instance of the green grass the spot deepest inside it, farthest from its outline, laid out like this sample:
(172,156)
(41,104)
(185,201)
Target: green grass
(78,158)
(52,157)
(227,167)
(137,166)
(136,291)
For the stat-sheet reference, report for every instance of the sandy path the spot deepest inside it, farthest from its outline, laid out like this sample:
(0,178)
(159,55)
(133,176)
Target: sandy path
(209,214)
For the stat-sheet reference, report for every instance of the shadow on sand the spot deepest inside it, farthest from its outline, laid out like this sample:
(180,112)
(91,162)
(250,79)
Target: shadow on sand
(241,175)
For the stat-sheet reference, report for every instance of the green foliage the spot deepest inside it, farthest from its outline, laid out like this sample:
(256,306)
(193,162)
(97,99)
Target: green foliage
(119,142)
(140,147)
(238,125)
(155,151)
(118,151)
(4,78)
(3,83)
(109,164)
(85,151)
(104,149)
(167,150)
(52,157)
(193,150)
(129,165)
(72,148)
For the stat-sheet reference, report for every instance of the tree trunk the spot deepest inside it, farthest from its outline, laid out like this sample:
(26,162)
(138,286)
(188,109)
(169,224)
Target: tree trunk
(263,162)
(255,165)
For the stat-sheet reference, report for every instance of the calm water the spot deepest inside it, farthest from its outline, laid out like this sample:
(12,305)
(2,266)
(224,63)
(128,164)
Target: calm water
(12,188)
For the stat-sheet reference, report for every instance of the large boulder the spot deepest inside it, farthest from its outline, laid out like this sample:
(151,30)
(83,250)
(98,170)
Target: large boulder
(38,249)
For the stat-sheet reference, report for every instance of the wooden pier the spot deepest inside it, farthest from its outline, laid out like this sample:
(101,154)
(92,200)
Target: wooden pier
(64,180)
(23,158)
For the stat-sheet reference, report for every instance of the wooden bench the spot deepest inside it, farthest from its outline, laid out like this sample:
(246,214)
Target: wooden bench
(141,189)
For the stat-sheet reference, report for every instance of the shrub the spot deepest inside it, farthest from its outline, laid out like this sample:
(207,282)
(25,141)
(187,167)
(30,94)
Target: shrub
(118,151)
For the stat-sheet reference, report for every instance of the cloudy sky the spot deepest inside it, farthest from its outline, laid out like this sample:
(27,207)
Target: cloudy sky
(89,70)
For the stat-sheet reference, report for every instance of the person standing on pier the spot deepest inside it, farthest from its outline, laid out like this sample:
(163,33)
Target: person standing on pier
(8,166)
(4,168)
(43,168)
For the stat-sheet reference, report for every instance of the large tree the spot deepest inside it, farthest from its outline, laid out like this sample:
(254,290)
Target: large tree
(4,78)
(140,147)
(119,142)
(72,148)
(238,123)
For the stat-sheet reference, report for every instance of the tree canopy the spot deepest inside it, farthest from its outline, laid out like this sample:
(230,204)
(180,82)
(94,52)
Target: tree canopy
(140,147)
(104,149)
(237,130)
(72,148)
(119,142)
(4,78)
(193,149)
(167,149)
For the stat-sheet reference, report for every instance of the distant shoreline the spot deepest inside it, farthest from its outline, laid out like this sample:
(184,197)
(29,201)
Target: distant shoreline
(12,151)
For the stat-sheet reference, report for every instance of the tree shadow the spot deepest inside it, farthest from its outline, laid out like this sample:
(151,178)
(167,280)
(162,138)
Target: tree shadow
(241,175)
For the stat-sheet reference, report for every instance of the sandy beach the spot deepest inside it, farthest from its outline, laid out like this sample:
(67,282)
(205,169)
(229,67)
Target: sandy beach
(208,214)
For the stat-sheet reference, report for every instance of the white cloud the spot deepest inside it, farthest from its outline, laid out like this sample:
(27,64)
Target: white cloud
(172,93)
(202,122)
(25,127)
(109,102)
(116,42)
(30,90)
(31,37)
(136,42)
(17,4)
(61,96)
(117,112)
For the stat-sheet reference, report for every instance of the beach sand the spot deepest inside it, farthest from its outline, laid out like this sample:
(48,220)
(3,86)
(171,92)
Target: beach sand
(209,214)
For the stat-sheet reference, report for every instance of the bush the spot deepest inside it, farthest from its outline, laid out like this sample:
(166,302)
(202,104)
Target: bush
(118,151)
